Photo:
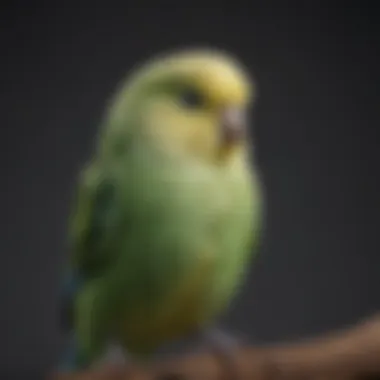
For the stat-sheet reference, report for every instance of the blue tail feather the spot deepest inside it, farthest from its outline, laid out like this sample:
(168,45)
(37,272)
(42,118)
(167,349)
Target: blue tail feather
(70,360)
(72,281)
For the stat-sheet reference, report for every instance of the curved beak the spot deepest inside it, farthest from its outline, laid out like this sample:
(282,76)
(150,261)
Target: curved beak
(233,125)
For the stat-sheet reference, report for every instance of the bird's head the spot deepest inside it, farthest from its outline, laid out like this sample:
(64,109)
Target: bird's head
(193,102)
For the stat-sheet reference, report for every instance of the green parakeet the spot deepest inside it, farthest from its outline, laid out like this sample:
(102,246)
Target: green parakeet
(167,211)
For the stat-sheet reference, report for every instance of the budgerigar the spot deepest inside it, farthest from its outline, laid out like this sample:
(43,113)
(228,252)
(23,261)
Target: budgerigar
(168,209)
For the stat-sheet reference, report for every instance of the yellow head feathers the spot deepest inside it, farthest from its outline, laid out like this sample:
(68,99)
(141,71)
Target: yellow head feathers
(192,102)
(219,76)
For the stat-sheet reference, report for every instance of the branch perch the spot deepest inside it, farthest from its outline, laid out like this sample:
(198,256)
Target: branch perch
(350,354)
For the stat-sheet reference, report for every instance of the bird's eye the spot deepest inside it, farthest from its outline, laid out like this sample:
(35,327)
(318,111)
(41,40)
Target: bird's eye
(191,99)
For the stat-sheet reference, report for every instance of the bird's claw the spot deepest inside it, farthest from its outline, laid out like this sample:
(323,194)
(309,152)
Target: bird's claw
(225,348)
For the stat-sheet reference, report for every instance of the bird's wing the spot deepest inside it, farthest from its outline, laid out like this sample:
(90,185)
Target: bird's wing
(94,229)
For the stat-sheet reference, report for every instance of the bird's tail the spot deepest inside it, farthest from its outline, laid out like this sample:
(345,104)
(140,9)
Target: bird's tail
(71,359)
(72,282)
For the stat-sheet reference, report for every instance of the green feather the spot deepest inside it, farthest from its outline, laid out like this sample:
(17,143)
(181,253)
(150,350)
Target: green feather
(150,227)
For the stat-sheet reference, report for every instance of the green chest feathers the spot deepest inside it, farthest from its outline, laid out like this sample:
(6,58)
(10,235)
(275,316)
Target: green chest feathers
(195,251)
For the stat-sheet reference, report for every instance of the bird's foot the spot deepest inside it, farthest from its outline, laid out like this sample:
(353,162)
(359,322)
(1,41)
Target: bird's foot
(115,359)
(225,348)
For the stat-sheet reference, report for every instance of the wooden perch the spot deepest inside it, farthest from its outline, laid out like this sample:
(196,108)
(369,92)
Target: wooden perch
(346,355)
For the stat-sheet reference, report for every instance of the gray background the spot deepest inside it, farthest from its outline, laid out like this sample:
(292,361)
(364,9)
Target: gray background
(315,132)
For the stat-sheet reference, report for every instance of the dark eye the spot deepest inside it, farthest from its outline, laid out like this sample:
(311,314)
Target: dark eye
(191,99)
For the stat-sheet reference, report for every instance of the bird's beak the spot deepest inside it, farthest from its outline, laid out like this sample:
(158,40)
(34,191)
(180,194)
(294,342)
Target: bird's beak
(233,125)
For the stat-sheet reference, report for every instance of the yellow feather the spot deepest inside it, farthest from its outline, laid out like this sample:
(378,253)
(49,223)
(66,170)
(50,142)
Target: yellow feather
(180,313)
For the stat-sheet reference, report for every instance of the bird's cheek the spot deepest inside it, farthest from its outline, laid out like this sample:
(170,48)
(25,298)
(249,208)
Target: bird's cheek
(160,124)
(203,140)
